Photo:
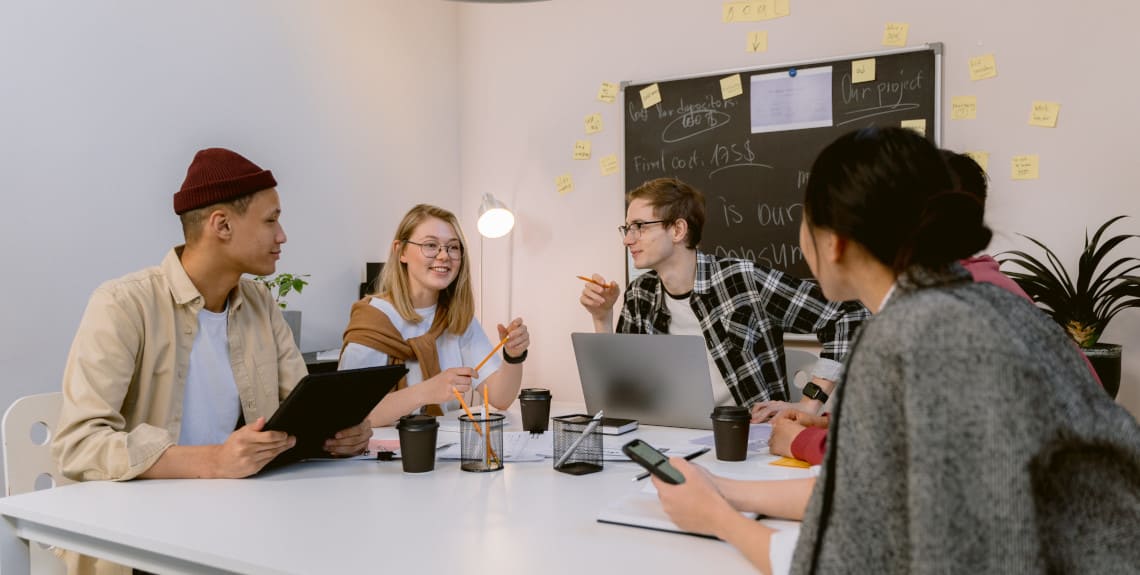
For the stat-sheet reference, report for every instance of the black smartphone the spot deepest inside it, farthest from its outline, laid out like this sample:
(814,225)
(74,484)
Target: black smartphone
(653,461)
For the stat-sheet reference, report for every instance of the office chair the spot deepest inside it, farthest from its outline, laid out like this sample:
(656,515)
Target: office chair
(797,361)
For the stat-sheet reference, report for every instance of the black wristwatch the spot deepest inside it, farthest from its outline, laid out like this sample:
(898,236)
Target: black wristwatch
(518,359)
(813,391)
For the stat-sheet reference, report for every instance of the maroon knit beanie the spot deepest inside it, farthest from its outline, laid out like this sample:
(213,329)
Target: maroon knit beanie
(219,175)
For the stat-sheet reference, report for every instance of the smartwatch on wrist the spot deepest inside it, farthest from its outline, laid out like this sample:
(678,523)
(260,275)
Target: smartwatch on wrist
(813,391)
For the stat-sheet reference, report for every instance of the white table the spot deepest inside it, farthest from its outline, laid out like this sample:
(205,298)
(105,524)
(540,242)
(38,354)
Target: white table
(367,517)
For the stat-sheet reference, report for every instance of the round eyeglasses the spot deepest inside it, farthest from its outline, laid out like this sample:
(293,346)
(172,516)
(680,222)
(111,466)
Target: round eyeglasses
(431,249)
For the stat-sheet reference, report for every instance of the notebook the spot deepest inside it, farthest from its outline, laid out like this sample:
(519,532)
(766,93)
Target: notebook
(617,425)
(324,403)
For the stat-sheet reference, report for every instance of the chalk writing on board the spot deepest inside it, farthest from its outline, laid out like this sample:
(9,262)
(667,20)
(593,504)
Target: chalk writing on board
(769,254)
(882,97)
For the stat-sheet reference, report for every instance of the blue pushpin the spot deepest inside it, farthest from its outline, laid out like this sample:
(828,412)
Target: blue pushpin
(792,72)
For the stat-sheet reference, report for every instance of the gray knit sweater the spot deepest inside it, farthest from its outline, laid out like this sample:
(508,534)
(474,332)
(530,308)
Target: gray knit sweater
(971,438)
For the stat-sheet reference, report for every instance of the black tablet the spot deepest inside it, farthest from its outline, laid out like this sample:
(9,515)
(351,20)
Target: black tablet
(325,403)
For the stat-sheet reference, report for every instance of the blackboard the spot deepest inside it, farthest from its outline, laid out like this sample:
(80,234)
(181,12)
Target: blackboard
(753,182)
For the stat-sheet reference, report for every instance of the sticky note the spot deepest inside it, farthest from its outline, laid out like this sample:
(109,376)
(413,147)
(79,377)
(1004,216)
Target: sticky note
(963,107)
(582,150)
(916,125)
(894,34)
(730,87)
(609,164)
(745,11)
(757,41)
(782,8)
(982,158)
(564,184)
(650,96)
(593,123)
(608,92)
(1024,167)
(982,67)
(1044,114)
(863,70)
(790,462)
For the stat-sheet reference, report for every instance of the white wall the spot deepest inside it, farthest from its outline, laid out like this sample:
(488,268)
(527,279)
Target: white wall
(103,104)
(530,74)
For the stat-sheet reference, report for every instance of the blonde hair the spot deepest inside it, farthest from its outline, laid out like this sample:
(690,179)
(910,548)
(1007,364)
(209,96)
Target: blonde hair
(456,305)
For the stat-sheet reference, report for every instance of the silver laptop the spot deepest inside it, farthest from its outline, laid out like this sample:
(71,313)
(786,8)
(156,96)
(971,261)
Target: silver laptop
(655,379)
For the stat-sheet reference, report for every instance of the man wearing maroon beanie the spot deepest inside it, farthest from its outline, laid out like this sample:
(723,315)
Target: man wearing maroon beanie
(175,368)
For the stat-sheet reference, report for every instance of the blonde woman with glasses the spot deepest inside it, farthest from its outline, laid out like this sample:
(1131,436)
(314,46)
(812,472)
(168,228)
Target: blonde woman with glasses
(423,315)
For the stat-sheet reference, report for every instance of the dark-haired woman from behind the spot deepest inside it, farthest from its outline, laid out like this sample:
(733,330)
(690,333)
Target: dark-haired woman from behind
(969,435)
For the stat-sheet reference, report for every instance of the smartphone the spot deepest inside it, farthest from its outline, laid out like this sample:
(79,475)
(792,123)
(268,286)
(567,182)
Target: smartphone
(653,461)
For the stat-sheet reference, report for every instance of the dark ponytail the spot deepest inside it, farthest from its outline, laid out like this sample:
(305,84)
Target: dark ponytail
(890,190)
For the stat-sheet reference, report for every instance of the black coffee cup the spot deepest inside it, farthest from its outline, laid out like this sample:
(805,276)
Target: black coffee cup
(535,403)
(730,432)
(417,442)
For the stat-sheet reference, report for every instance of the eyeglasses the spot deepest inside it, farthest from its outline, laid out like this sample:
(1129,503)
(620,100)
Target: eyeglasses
(635,228)
(431,249)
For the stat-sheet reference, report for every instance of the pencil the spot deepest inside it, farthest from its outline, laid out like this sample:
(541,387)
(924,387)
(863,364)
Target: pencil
(489,355)
(591,280)
(478,429)
(487,428)
(688,457)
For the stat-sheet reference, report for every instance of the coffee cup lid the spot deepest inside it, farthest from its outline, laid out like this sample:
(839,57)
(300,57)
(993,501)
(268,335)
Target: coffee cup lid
(534,393)
(419,422)
(731,413)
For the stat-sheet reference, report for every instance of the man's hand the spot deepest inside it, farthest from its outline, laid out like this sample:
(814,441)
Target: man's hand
(249,448)
(351,441)
(599,298)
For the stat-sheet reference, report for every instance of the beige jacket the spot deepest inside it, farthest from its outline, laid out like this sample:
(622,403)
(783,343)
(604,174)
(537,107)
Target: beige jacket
(124,379)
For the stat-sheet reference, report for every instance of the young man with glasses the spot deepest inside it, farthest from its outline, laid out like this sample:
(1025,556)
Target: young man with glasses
(741,308)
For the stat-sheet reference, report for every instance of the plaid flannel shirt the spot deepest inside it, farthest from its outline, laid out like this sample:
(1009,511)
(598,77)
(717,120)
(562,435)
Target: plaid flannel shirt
(744,310)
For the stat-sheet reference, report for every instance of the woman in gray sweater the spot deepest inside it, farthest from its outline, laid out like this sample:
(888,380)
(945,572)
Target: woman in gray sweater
(969,435)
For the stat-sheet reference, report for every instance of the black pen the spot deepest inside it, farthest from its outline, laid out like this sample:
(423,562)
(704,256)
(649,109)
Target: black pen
(688,457)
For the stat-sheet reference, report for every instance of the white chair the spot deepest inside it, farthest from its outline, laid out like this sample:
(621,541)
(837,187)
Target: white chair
(28,465)
(798,362)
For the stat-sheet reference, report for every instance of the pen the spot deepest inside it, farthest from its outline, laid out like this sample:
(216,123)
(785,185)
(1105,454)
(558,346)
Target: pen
(585,432)
(688,457)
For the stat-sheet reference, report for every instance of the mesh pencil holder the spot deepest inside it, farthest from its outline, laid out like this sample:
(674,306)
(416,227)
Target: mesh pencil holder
(587,457)
(481,439)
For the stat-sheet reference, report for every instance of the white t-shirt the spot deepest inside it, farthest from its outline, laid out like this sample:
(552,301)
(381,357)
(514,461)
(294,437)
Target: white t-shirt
(683,321)
(465,350)
(210,403)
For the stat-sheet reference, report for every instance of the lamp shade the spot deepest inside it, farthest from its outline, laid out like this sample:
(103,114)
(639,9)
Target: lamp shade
(495,220)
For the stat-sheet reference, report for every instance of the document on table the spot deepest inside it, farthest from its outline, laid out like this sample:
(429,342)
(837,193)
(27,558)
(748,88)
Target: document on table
(516,447)
(758,434)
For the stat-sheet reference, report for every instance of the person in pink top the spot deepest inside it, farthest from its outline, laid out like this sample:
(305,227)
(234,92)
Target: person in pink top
(804,436)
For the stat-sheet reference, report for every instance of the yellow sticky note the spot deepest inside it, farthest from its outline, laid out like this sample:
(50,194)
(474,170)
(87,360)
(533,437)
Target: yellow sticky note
(894,34)
(1044,114)
(650,96)
(745,11)
(790,462)
(963,107)
(982,67)
(782,8)
(564,184)
(863,71)
(916,125)
(609,164)
(1024,167)
(582,150)
(758,41)
(608,92)
(982,158)
(730,87)
(593,123)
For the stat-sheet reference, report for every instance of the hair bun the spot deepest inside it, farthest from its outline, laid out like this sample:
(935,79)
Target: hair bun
(950,228)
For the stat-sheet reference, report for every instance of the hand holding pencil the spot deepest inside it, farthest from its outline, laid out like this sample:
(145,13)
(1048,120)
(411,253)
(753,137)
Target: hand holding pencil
(599,296)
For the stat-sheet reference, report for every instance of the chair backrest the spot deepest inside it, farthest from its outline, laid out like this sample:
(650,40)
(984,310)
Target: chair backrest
(28,465)
(28,426)
(798,361)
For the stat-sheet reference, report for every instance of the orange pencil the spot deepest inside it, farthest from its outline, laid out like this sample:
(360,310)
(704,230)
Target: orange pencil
(591,280)
(488,358)
(486,414)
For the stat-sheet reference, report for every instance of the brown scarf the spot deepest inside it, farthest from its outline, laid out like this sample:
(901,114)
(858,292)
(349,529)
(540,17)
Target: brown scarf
(371,328)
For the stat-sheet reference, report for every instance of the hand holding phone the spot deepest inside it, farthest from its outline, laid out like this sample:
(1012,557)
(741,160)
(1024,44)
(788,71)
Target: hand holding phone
(653,461)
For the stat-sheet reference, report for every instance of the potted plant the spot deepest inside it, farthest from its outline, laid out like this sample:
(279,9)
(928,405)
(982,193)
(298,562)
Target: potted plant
(1084,307)
(280,286)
